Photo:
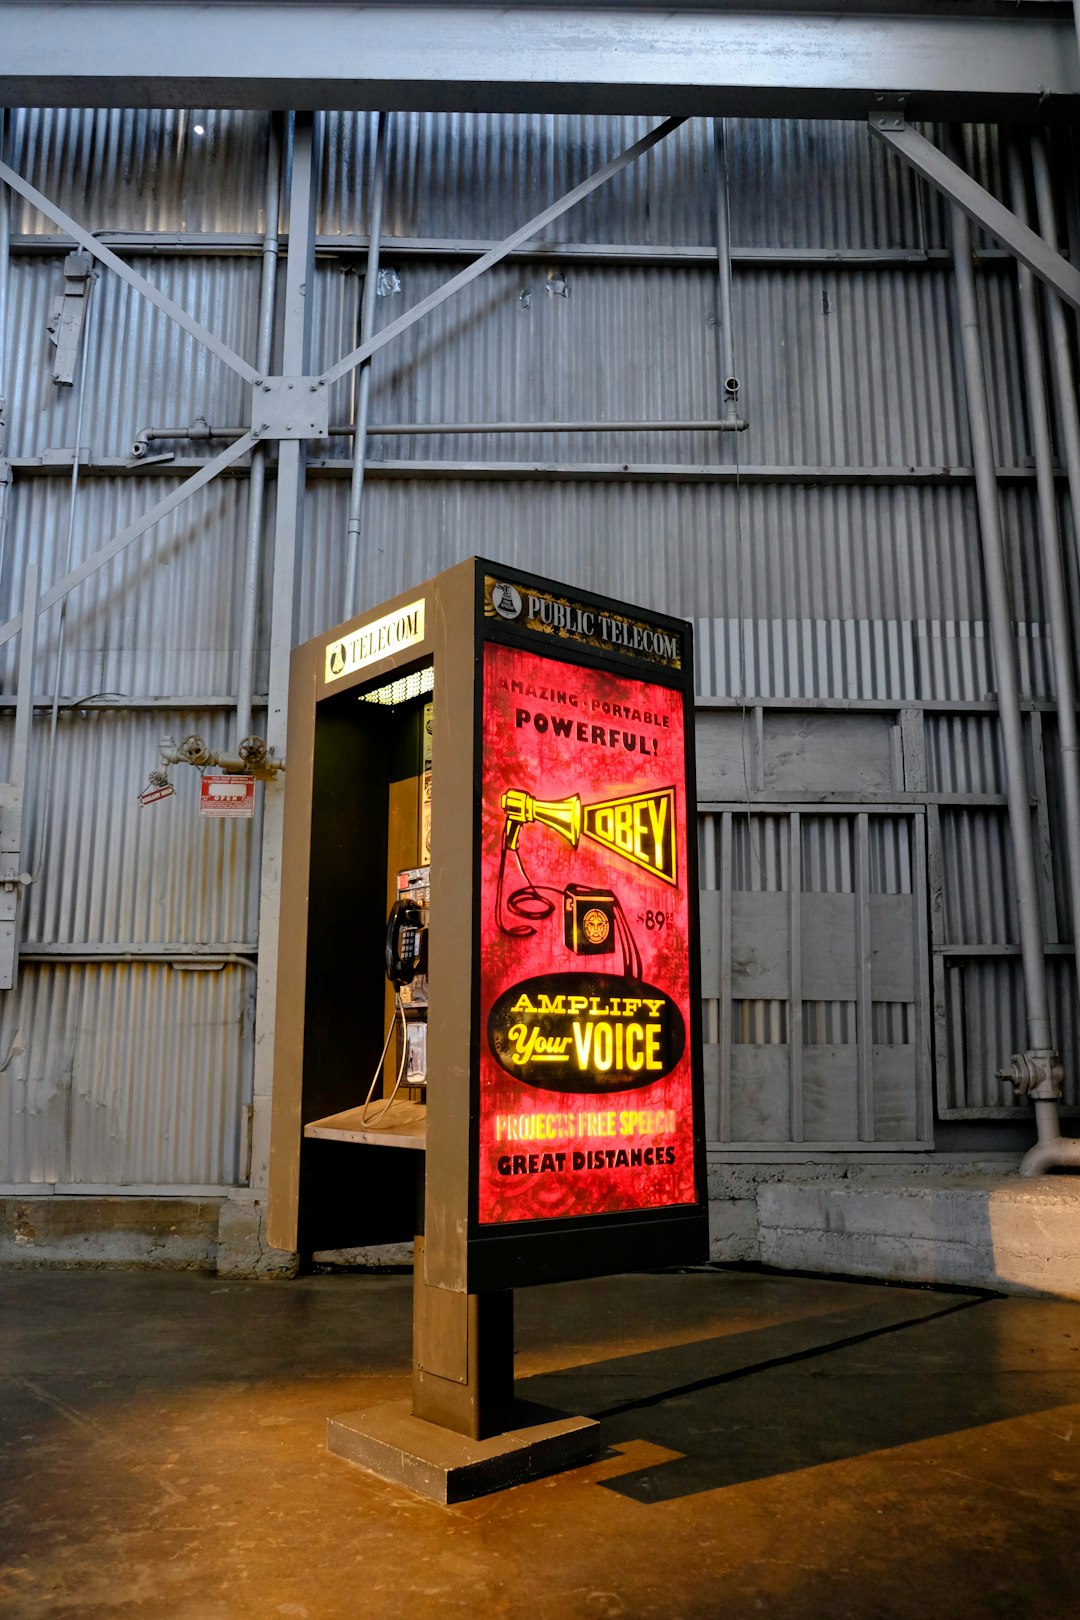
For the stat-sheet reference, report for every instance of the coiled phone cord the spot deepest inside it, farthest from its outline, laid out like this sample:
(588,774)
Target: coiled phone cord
(399,1012)
(528,902)
(531,904)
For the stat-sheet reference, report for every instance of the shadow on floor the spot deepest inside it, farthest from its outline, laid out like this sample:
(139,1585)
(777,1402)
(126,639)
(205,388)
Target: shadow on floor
(792,1396)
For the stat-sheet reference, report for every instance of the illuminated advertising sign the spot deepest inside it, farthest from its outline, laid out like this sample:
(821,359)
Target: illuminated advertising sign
(548,612)
(393,633)
(586,1097)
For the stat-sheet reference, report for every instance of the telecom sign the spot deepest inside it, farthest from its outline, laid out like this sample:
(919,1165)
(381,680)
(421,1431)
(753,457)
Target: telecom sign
(586,1103)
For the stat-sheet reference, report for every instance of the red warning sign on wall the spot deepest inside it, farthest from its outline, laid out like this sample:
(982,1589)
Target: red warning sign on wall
(227,796)
(586,1103)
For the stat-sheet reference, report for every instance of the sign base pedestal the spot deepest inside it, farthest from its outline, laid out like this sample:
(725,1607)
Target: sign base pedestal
(447,1467)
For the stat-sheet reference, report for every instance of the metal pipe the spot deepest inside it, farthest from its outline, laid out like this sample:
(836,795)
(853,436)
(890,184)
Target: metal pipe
(206,961)
(5,265)
(1052,1149)
(1002,642)
(723,278)
(200,430)
(1058,333)
(1050,545)
(249,605)
(45,825)
(363,384)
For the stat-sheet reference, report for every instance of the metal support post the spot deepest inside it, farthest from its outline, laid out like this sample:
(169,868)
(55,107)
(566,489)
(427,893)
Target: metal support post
(249,610)
(363,387)
(1051,1149)
(1058,333)
(288,528)
(5,265)
(1041,1055)
(1057,600)
(463,1356)
(13,795)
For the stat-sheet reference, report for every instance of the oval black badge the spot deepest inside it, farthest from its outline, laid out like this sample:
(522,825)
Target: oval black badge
(587,1032)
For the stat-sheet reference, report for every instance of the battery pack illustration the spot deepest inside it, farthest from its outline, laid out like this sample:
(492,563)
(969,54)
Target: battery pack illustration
(589,920)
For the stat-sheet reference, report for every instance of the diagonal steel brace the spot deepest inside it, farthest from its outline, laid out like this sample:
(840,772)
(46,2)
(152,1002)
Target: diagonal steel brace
(522,235)
(978,204)
(144,521)
(350,361)
(45,206)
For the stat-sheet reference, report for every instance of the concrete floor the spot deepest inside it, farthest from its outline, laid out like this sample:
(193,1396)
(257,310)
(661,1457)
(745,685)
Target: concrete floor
(831,1449)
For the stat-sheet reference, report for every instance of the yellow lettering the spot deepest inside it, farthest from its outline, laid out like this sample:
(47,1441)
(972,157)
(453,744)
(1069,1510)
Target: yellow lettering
(624,826)
(583,1041)
(658,809)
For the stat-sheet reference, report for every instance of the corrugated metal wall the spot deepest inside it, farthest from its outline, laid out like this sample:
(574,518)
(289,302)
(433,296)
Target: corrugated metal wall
(831,552)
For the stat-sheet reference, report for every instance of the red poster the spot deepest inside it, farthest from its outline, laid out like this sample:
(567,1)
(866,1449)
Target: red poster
(585,1067)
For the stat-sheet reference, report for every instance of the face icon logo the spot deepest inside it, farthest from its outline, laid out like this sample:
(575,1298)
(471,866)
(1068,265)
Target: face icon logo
(337,659)
(506,601)
(596,926)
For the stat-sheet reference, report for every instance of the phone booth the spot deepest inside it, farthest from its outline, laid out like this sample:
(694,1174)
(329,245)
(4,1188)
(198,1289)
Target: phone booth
(488,1029)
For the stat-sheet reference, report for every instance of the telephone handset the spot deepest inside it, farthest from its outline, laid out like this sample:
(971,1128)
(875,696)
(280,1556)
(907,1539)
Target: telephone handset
(406,969)
(404,942)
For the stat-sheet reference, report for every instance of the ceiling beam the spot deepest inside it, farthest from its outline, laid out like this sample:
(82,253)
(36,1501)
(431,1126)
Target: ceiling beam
(311,54)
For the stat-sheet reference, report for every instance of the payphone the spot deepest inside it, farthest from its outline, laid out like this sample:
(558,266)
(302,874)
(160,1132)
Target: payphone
(488,1030)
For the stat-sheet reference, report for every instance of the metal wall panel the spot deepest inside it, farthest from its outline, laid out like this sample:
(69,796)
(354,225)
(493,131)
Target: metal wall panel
(800,590)
(141,170)
(161,619)
(800,183)
(815,1009)
(839,368)
(985,1019)
(636,343)
(141,369)
(848,579)
(477,176)
(124,1074)
(110,871)
(792,183)
(774,551)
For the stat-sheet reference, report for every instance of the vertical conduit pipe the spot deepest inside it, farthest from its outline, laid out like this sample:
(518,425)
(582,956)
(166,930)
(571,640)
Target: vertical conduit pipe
(723,265)
(1049,542)
(1001,640)
(1058,333)
(363,389)
(249,605)
(5,263)
(1052,1148)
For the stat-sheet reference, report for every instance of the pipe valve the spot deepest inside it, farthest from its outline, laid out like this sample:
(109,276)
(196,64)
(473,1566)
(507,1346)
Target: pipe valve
(252,750)
(193,751)
(1037,1074)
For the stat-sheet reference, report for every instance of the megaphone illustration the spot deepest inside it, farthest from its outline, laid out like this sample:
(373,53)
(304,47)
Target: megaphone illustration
(561,815)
